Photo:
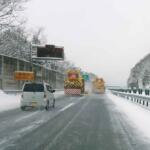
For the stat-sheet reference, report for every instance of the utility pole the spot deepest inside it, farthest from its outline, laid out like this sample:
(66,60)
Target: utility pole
(30,59)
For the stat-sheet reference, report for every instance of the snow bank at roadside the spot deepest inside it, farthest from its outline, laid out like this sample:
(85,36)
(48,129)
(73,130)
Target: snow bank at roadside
(138,116)
(8,101)
(59,93)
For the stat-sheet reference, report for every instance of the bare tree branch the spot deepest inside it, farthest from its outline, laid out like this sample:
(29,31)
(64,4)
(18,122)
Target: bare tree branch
(9,11)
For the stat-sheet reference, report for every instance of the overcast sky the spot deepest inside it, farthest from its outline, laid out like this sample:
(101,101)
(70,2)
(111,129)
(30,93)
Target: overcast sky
(106,37)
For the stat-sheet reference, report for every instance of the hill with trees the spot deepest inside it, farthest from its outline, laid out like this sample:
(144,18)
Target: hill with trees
(140,74)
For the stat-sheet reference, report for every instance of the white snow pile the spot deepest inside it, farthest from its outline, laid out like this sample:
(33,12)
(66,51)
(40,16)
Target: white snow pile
(138,116)
(59,93)
(8,101)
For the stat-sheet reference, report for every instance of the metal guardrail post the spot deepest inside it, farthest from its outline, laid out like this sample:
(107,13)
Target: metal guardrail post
(2,77)
(147,104)
(18,68)
(142,100)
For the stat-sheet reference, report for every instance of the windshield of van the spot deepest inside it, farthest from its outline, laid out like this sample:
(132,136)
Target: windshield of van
(33,87)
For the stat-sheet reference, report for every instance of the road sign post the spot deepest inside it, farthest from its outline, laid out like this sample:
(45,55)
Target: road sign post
(44,54)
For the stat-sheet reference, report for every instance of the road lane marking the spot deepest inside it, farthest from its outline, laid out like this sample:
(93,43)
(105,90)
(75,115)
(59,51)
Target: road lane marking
(66,107)
(8,140)
(83,97)
(26,116)
(3,141)
(28,128)
(66,127)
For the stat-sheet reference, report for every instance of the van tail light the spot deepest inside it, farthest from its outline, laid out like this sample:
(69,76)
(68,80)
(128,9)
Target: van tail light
(22,95)
(44,95)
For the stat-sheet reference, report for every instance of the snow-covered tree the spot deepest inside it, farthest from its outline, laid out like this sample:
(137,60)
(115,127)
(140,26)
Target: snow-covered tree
(14,43)
(38,37)
(146,78)
(9,10)
(139,75)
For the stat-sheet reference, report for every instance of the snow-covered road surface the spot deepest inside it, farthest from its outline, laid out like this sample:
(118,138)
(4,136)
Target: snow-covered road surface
(98,122)
(136,115)
(14,124)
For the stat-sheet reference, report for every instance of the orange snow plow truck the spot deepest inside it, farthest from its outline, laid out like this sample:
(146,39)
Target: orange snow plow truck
(98,86)
(74,83)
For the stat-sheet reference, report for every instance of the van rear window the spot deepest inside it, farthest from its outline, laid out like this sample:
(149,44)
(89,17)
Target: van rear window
(34,87)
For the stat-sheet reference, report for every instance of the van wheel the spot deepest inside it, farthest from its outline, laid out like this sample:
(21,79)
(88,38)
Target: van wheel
(41,107)
(47,106)
(53,103)
(22,107)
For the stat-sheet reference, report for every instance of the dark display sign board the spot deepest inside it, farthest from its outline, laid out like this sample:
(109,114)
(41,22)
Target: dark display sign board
(50,51)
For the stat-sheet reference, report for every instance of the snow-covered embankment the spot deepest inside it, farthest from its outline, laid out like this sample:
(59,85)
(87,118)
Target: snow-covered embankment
(138,116)
(9,101)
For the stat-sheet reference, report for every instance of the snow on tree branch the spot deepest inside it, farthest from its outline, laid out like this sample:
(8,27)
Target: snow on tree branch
(8,12)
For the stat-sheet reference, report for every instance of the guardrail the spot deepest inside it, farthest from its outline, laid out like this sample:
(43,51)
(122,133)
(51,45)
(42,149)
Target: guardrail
(134,91)
(15,92)
(139,99)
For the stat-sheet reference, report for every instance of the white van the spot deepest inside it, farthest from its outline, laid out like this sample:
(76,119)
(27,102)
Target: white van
(37,95)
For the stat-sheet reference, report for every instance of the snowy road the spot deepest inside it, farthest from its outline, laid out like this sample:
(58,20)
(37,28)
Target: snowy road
(90,122)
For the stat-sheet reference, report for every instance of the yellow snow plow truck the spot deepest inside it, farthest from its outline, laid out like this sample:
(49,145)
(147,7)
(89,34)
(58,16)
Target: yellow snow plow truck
(74,83)
(98,86)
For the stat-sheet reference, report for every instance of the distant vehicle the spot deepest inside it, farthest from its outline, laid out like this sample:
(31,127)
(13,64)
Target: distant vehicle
(39,95)
(98,86)
(74,83)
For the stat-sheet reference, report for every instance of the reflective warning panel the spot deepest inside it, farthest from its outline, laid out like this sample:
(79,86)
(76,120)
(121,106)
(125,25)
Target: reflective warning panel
(73,76)
(24,75)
